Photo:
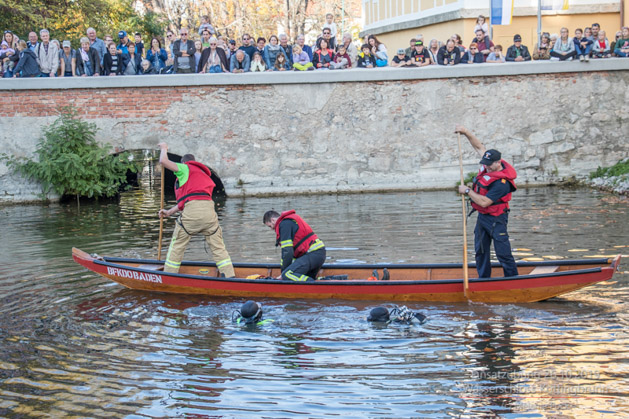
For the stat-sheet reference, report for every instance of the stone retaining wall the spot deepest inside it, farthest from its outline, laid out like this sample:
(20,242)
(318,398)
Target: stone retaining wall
(357,130)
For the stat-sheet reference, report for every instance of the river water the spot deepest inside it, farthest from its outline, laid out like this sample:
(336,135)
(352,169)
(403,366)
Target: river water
(75,344)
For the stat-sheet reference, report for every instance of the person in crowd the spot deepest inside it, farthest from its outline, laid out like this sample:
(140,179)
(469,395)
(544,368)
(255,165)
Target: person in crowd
(401,59)
(123,46)
(170,42)
(553,40)
(301,41)
(183,51)
(496,56)
(193,190)
(260,44)
(350,48)
(115,62)
(420,56)
(139,45)
(67,60)
(108,39)
(240,62)
(281,64)
(213,59)
(473,55)
(458,42)
(587,34)
(303,253)
(87,59)
(301,61)
(205,39)
(288,49)
(490,195)
(563,50)
(222,44)
(97,44)
(481,23)
(271,51)
(232,48)
(408,51)
(601,48)
(11,40)
(621,48)
(157,55)
(206,25)
(542,49)
(329,24)
(27,62)
(33,41)
(47,55)
(449,54)
(198,50)
(258,64)
(612,48)
(365,58)
(595,30)
(582,45)
(379,51)
(517,52)
(433,50)
(341,59)
(327,35)
(247,46)
(484,44)
(134,65)
(323,56)
(147,68)
(9,58)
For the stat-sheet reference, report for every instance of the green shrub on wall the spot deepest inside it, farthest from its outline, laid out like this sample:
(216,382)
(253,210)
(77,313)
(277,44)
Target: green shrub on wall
(71,162)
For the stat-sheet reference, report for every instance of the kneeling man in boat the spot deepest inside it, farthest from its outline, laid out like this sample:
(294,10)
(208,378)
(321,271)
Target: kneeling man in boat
(193,190)
(303,253)
(490,194)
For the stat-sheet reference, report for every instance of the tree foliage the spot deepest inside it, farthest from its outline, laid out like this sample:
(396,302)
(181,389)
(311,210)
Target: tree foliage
(71,162)
(69,19)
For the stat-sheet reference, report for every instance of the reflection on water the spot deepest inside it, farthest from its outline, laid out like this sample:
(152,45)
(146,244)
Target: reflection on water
(74,344)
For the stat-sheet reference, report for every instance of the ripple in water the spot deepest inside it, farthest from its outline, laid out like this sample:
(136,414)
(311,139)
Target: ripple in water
(74,344)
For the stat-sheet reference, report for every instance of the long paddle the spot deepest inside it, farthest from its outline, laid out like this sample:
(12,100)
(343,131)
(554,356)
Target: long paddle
(161,219)
(466,284)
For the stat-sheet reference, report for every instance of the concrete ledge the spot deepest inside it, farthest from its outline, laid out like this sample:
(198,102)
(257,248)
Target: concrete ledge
(319,76)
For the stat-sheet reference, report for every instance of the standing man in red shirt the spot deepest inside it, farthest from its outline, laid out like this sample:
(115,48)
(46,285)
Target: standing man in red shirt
(193,190)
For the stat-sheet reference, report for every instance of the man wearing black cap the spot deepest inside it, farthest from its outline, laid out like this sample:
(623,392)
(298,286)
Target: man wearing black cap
(490,195)
(517,51)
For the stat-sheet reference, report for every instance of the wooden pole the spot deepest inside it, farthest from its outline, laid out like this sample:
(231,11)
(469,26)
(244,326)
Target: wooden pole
(466,284)
(161,219)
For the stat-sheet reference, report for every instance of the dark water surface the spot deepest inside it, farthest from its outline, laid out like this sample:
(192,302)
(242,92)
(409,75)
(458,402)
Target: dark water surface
(75,344)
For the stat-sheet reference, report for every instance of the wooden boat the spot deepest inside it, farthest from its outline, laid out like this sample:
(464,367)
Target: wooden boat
(420,282)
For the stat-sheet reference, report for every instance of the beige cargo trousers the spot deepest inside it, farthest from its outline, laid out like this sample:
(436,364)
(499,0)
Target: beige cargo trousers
(198,217)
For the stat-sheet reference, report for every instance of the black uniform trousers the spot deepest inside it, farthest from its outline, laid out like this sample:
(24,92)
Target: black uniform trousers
(488,228)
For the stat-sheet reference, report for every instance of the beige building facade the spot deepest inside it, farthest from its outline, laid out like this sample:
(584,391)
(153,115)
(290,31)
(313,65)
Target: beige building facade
(395,22)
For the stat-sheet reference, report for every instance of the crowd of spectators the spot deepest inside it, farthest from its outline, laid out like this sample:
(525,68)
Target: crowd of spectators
(41,56)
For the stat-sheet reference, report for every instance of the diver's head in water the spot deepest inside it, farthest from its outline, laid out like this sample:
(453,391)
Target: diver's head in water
(250,312)
(378,314)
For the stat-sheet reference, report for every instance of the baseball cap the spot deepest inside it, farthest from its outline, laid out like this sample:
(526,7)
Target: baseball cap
(517,38)
(401,51)
(418,43)
(231,41)
(66,44)
(122,34)
(490,157)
